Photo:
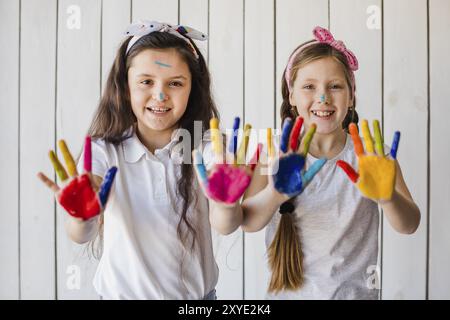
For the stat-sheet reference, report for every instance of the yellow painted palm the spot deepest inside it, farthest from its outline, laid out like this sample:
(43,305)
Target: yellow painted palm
(376,176)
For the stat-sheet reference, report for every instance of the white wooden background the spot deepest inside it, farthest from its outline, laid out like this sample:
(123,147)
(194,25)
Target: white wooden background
(51,79)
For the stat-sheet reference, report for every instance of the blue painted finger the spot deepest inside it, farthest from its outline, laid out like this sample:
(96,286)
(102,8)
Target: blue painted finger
(395,143)
(315,167)
(200,167)
(105,188)
(234,137)
(287,127)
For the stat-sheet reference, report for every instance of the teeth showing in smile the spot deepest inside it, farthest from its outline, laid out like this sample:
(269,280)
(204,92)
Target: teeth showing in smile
(322,113)
(158,110)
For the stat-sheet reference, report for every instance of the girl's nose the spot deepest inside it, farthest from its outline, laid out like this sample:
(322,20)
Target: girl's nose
(323,99)
(160,96)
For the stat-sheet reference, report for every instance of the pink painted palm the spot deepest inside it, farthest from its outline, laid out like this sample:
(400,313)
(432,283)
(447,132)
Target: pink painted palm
(227,182)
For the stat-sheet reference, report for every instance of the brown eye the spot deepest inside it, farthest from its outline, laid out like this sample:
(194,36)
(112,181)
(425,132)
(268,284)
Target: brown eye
(336,86)
(176,84)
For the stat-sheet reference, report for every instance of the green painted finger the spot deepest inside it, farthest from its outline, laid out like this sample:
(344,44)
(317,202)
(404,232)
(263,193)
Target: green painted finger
(308,137)
(378,138)
(60,171)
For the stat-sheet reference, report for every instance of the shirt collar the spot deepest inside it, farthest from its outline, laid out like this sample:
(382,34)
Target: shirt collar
(133,149)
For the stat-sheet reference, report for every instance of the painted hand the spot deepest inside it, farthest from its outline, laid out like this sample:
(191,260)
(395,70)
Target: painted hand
(78,196)
(289,175)
(228,181)
(376,177)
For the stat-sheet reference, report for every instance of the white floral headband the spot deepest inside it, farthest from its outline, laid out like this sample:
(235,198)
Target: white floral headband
(144,27)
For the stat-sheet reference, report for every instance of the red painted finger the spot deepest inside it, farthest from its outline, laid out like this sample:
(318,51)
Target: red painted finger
(351,173)
(295,133)
(255,159)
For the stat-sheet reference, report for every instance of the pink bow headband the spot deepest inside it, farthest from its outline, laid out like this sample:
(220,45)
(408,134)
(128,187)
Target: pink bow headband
(322,35)
(144,27)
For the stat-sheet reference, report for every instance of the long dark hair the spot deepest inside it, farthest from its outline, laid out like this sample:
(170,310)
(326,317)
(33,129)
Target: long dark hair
(114,115)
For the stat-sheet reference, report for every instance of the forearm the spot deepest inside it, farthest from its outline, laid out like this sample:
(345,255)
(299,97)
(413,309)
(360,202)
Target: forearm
(259,209)
(225,219)
(81,231)
(402,213)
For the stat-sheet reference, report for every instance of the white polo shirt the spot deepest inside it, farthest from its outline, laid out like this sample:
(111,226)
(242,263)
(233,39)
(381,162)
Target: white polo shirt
(142,254)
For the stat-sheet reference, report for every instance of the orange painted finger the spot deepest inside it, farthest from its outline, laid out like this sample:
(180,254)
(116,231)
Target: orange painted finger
(359,149)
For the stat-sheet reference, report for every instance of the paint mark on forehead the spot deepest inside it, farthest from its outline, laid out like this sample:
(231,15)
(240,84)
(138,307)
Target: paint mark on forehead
(163,64)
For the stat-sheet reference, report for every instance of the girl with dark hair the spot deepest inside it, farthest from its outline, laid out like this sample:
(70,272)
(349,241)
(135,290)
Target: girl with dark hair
(154,234)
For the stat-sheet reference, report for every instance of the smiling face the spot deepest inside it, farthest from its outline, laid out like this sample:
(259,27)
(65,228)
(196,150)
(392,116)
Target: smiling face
(160,83)
(321,94)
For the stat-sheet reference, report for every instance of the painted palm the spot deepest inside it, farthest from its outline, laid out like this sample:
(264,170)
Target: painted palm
(78,196)
(227,182)
(376,176)
(289,174)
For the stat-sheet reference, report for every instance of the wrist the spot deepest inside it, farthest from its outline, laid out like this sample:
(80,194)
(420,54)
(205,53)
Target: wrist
(274,196)
(383,202)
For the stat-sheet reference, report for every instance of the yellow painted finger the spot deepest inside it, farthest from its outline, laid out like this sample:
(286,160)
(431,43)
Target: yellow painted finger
(269,143)
(70,163)
(242,152)
(307,139)
(60,171)
(215,137)
(378,138)
(367,137)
